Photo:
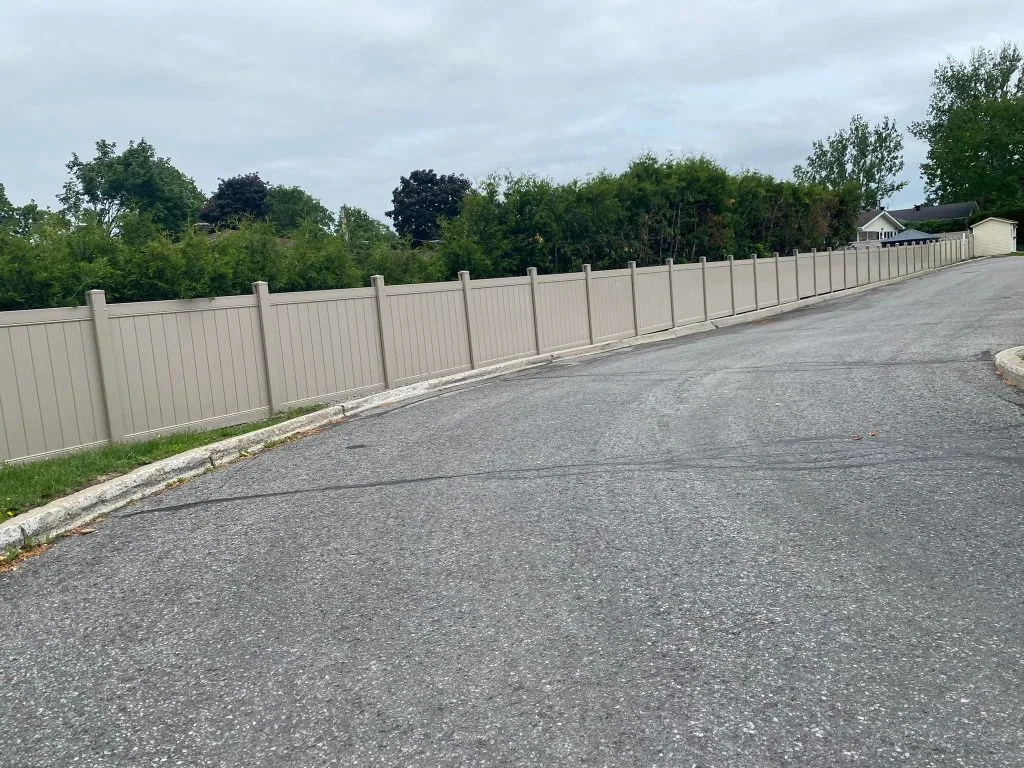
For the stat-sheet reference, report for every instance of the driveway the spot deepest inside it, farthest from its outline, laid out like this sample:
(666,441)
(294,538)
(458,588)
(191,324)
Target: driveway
(796,542)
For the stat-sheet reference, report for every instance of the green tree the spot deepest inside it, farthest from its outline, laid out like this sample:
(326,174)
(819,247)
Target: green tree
(237,198)
(869,156)
(422,200)
(974,129)
(133,181)
(288,208)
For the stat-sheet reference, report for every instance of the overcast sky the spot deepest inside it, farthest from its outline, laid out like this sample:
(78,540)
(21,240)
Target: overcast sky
(342,97)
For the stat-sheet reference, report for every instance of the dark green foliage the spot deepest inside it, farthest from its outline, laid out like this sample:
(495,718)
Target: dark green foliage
(236,198)
(657,209)
(975,130)
(422,200)
(869,157)
(289,207)
(134,181)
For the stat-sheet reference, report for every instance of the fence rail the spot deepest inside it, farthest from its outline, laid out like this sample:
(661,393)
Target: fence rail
(80,377)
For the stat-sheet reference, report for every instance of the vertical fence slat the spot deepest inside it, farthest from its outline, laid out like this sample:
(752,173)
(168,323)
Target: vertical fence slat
(105,354)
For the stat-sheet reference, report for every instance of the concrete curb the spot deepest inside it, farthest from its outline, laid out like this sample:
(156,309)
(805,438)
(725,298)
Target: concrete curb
(1010,363)
(70,512)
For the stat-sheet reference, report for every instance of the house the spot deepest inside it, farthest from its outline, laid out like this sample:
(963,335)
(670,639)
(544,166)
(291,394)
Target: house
(880,224)
(994,237)
(876,225)
(910,237)
(953,212)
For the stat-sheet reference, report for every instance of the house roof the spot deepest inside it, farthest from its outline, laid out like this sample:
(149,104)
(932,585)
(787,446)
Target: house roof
(935,212)
(910,235)
(868,216)
(995,218)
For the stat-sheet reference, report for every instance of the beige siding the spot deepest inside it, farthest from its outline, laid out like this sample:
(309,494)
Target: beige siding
(50,393)
(993,238)
(429,332)
(562,307)
(328,345)
(654,300)
(719,289)
(766,287)
(787,278)
(502,319)
(743,284)
(805,265)
(187,364)
(613,304)
(689,290)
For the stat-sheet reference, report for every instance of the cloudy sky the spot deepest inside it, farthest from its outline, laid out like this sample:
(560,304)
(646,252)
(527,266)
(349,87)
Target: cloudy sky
(342,97)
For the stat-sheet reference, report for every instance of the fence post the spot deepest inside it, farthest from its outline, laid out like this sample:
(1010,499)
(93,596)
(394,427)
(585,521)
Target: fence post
(757,296)
(704,285)
(778,280)
(671,264)
(856,265)
(271,344)
(467,300)
(384,326)
(590,303)
(105,352)
(532,272)
(796,270)
(636,304)
(831,279)
(732,282)
(814,270)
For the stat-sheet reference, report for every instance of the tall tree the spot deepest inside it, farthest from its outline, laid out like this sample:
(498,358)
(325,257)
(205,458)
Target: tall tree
(133,181)
(237,198)
(422,200)
(870,156)
(289,207)
(974,129)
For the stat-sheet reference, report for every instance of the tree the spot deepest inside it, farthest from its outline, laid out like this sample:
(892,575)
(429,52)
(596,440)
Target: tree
(870,156)
(136,181)
(289,207)
(422,200)
(974,129)
(237,198)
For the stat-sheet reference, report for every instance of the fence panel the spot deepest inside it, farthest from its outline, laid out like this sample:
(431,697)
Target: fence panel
(428,331)
(51,396)
(502,319)
(188,364)
(766,284)
(838,272)
(719,289)
(328,344)
(689,290)
(787,278)
(743,285)
(654,300)
(805,267)
(562,311)
(612,294)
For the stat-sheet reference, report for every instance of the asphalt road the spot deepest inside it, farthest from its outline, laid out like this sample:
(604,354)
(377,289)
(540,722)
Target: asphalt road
(672,556)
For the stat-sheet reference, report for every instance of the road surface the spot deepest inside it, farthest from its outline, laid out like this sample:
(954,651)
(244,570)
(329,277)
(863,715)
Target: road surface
(676,555)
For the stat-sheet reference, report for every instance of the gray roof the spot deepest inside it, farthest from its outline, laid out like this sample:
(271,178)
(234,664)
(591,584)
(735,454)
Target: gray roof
(867,216)
(910,235)
(935,212)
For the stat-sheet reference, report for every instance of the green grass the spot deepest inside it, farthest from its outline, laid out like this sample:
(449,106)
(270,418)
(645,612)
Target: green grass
(25,486)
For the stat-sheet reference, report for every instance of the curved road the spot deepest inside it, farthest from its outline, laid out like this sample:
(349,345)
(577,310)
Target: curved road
(672,556)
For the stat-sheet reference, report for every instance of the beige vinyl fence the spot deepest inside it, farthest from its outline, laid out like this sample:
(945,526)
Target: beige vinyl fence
(88,376)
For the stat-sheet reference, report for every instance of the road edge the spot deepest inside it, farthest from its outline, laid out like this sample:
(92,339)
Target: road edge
(82,507)
(1010,364)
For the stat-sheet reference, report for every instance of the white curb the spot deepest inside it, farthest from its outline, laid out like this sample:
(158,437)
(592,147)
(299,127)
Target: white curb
(1010,363)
